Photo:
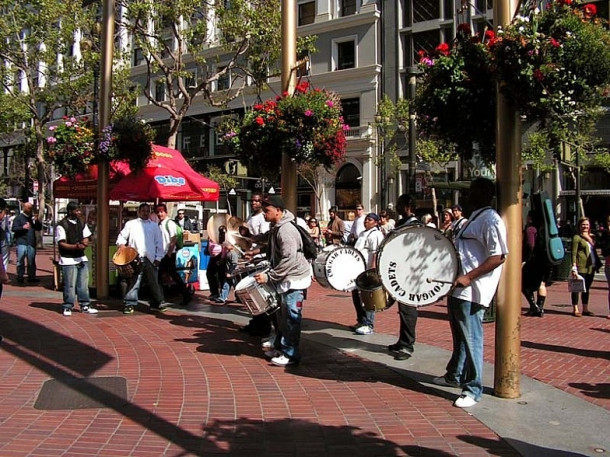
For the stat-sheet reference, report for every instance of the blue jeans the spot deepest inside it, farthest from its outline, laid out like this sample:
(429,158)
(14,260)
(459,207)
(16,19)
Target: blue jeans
(363,316)
(466,363)
(76,284)
(290,323)
(150,275)
(226,288)
(25,251)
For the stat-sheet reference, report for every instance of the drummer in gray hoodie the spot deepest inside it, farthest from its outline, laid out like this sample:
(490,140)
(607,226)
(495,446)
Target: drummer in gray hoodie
(290,276)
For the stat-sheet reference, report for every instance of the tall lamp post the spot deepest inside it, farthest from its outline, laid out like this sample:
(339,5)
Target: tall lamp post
(103,191)
(413,72)
(289,57)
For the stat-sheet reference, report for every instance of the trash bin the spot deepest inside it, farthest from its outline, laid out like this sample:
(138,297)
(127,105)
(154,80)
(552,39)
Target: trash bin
(561,272)
(490,312)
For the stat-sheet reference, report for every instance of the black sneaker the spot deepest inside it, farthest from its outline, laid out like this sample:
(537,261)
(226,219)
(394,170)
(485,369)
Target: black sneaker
(402,354)
(20,281)
(128,310)
(442,381)
(186,300)
(394,347)
(33,280)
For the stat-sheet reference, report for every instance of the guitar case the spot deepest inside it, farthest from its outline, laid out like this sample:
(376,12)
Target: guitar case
(543,206)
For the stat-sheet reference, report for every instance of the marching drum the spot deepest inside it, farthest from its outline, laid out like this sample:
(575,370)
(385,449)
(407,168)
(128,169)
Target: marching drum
(417,265)
(127,261)
(258,298)
(338,267)
(249,269)
(373,297)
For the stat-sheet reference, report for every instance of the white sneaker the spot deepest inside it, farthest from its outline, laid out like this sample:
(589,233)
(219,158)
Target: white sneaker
(364,330)
(89,310)
(268,343)
(282,361)
(273,353)
(67,312)
(464,401)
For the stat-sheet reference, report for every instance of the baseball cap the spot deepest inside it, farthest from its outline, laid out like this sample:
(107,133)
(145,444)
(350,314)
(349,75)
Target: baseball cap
(373,216)
(274,200)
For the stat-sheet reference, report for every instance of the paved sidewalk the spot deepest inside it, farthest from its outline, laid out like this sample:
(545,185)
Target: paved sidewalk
(194,385)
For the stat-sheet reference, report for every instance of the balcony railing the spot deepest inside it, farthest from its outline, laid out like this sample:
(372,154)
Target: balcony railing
(362,131)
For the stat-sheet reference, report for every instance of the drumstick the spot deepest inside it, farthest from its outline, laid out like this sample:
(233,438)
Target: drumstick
(442,281)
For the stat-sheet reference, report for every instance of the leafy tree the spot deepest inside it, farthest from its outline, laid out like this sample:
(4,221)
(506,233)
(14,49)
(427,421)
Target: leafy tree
(40,73)
(174,39)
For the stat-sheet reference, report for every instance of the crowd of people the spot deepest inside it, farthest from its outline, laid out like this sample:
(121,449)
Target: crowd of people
(480,242)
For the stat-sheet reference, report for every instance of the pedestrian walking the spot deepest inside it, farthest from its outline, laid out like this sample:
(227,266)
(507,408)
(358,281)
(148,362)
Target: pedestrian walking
(585,263)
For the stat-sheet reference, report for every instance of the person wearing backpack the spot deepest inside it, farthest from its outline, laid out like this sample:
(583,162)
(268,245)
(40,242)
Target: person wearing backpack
(290,275)
(169,230)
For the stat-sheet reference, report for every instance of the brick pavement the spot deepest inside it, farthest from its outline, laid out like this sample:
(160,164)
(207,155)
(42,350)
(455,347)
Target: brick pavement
(196,386)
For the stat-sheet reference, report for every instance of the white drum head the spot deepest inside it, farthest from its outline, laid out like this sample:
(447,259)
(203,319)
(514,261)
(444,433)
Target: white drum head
(339,267)
(246,283)
(417,265)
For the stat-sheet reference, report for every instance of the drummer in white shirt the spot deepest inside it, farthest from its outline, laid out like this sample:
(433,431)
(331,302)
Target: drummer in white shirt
(144,236)
(368,244)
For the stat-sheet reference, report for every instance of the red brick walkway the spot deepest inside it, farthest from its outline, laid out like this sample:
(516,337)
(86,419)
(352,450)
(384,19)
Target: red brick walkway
(197,386)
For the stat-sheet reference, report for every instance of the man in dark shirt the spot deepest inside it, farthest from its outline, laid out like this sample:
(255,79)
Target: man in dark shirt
(24,228)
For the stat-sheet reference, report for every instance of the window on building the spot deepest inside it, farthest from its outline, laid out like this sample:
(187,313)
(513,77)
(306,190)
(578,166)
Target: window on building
(307,13)
(345,54)
(425,10)
(160,92)
(224,81)
(305,68)
(351,111)
(138,57)
(348,189)
(348,7)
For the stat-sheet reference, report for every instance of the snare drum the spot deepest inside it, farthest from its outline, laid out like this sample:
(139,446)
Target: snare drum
(417,265)
(372,294)
(127,261)
(337,268)
(249,269)
(258,298)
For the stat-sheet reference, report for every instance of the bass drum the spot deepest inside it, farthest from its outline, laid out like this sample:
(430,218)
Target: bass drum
(417,265)
(338,267)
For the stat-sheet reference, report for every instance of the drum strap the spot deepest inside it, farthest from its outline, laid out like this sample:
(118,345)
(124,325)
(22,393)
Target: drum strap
(469,221)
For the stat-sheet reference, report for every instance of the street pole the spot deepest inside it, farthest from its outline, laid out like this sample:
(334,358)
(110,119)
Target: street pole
(288,81)
(508,171)
(413,72)
(103,207)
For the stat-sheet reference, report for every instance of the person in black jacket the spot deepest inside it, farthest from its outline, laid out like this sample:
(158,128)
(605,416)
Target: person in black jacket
(183,221)
(72,236)
(24,228)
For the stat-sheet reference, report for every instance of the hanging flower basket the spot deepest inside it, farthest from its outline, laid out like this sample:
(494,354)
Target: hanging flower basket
(553,62)
(127,139)
(308,126)
(456,100)
(70,146)
(552,65)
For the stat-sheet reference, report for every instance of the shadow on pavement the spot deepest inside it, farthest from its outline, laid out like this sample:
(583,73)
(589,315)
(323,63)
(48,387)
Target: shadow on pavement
(567,350)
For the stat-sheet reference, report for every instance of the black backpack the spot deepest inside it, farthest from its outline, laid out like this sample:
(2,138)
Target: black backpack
(310,250)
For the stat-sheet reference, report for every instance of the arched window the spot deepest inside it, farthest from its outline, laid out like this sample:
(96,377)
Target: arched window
(348,189)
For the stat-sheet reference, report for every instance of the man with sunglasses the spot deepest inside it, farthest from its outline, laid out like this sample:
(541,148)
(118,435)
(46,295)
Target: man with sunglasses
(183,221)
